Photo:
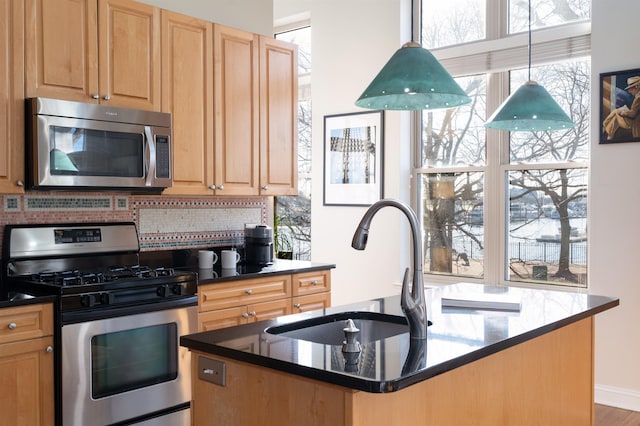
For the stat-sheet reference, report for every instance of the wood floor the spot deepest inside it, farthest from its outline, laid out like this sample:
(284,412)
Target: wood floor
(610,416)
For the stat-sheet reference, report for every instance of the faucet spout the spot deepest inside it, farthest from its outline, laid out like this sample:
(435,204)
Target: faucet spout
(412,302)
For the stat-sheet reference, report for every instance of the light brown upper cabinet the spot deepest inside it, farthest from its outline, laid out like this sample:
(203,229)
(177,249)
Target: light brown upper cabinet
(11,97)
(187,93)
(255,109)
(236,111)
(105,51)
(278,117)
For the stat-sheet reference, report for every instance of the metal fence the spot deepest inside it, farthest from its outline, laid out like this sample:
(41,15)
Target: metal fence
(545,252)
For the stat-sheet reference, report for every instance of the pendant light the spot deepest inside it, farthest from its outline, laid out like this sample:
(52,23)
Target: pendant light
(412,79)
(530,108)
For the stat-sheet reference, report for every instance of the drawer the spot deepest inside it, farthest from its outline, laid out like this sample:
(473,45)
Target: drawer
(243,292)
(311,282)
(222,318)
(269,310)
(311,302)
(26,322)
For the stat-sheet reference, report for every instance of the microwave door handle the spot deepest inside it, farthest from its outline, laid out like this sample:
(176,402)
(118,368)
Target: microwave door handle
(150,156)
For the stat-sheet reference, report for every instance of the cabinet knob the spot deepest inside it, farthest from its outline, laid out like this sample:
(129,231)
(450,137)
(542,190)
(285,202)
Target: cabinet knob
(252,313)
(265,187)
(20,183)
(297,305)
(220,187)
(245,315)
(49,349)
(12,326)
(248,291)
(106,97)
(212,187)
(314,282)
(95,96)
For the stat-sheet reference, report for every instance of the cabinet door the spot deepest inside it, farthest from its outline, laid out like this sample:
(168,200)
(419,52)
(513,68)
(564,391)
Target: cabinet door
(61,49)
(26,382)
(11,97)
(187,93)
(129,54)
(278,117)
(311,302)
(268,310)
(236,110)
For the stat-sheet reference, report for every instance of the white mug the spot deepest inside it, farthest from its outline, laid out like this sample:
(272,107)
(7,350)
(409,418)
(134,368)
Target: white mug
(206,259)
(229,259)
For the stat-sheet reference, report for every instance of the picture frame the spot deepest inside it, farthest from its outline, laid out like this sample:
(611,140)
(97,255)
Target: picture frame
(353,158)
(614,95)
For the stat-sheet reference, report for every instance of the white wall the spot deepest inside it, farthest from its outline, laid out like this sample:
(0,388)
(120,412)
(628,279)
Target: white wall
(614,232)
(249,15)
(348,50)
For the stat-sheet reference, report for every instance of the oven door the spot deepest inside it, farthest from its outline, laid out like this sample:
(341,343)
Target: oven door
(127,367)
(72,152)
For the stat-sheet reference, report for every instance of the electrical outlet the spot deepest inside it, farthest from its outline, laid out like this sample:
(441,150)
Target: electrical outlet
(212,370)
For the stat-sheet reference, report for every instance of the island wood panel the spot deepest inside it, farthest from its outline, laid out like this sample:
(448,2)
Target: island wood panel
(544,381)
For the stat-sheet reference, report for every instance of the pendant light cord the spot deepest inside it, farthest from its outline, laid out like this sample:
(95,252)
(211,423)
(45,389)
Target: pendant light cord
(529,46)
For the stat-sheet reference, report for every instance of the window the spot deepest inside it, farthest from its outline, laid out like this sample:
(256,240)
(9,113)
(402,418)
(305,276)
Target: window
(499,206)
(293,214)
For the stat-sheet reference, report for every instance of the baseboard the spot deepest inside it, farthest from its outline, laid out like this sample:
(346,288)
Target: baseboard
(617,397)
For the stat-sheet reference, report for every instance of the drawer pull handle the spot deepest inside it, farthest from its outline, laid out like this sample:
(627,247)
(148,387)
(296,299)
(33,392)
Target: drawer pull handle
(297,305)
(49,349)
(245,315)
(248,291)
(314,282)
(12,326)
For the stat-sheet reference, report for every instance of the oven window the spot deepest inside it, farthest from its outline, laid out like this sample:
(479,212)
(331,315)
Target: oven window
(83,152)
(133,359)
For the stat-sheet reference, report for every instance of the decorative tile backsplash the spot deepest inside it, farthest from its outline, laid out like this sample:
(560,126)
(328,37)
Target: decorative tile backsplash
(163,222)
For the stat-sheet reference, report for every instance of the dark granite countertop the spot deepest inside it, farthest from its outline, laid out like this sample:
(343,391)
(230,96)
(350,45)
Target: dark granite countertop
(13,298)
(457,337)
(187,260)
(241,272)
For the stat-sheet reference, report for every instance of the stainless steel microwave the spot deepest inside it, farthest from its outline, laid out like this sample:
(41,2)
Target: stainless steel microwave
(76,145)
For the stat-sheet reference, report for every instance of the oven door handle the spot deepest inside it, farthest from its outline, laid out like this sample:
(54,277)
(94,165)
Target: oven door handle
(150,156)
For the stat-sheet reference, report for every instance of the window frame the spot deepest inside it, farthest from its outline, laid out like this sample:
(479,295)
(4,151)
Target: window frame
(495,57)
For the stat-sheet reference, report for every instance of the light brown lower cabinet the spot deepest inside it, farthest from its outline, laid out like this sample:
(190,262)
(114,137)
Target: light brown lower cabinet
(255,299)
(26,366)
(544,381)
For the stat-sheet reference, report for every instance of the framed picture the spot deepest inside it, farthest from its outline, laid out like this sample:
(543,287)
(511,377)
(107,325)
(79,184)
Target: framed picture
(353,158)
(620,106)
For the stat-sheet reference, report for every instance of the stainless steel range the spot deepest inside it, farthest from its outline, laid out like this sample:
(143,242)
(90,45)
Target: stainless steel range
(118,358)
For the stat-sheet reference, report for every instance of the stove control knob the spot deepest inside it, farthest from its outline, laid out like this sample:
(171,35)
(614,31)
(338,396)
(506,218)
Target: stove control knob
(88,300)
(107,298)
(179,290)
(163,291)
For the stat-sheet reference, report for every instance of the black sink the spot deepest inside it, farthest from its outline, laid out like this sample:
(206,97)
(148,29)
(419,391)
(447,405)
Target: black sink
(328,330)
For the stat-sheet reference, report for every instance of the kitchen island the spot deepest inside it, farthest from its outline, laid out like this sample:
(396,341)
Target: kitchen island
(533,365)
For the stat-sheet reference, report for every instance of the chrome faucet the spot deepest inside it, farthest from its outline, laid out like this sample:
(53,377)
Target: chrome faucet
(413,304)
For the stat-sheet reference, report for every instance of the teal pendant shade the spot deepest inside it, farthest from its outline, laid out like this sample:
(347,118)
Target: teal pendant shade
(530,108)
(413,79)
